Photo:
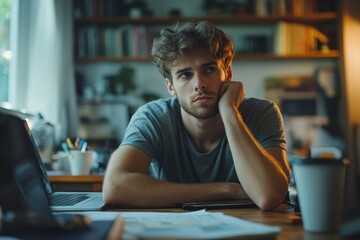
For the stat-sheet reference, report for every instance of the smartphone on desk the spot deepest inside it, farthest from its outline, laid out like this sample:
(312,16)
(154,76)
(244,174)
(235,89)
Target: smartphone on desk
(224,204)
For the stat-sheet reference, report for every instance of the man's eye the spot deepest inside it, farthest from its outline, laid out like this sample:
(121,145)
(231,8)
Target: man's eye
(210,69)
(186,75)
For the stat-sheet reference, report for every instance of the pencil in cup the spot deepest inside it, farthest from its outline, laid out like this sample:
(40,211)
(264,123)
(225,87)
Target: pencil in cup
(80,144)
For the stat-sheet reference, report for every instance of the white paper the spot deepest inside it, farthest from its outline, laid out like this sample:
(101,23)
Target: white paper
(185,225)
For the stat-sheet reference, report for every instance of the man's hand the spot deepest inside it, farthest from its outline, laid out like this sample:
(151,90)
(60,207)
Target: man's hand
(263,173)
(231,95)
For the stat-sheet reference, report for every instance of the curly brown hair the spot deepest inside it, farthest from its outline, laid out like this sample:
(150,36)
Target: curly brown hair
(170,45)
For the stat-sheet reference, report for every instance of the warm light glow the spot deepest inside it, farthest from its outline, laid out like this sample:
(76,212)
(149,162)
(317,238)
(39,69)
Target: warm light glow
(7,55)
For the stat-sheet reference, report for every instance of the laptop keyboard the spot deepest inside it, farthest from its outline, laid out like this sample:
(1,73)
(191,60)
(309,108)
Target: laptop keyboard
(67,199)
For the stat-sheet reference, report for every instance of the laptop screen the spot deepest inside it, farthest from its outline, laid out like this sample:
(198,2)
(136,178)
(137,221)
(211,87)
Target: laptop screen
(23,180)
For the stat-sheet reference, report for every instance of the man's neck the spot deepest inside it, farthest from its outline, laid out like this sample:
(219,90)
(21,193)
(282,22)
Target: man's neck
(204,133)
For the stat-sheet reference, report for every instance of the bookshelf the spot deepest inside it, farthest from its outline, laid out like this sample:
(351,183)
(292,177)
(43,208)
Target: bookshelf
(101,36)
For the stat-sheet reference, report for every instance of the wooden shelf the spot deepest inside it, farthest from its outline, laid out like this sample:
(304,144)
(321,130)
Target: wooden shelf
(112,59)
(218,19)
(268,56)
(239,57)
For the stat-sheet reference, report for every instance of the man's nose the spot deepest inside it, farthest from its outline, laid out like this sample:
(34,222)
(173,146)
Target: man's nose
(200,83)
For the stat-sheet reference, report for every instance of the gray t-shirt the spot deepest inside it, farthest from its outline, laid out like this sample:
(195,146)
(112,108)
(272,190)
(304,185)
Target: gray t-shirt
(157,129)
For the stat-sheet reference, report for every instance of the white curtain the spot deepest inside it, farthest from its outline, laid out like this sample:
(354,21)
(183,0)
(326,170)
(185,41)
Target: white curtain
(41,68)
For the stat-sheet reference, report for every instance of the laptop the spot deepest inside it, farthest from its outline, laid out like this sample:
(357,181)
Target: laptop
(21,168)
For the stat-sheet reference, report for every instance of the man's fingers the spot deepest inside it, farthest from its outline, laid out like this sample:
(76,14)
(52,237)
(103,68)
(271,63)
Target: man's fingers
(223,88)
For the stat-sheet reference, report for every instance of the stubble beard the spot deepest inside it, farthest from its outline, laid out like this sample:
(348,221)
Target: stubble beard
(199,114)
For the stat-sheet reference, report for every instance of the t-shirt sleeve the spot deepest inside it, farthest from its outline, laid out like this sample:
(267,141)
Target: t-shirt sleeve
(143,132)
(265,121)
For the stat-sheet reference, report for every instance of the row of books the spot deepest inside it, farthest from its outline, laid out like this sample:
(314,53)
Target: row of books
(298,38)
(289,39)
(120,41)
(99,8)
(292,7)
(136,40)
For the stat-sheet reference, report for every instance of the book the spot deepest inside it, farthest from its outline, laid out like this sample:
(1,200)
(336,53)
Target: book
(298,38)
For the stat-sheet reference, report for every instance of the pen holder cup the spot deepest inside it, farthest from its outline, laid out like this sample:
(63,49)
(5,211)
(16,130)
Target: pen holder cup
(81,162)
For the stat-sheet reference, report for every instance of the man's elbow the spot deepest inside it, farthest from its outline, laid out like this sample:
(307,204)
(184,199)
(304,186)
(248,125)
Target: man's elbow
(120,192)
(273,199)
(114,190)
(268,203)
(109,194)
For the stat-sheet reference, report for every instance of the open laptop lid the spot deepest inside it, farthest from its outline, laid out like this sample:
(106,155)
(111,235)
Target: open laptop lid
(24,185)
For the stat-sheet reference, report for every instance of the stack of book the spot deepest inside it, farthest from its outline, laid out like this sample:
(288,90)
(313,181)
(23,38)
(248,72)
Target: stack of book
(298,38)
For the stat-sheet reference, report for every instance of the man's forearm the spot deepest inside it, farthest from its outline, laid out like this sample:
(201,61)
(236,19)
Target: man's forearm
(140,190)
(264,179)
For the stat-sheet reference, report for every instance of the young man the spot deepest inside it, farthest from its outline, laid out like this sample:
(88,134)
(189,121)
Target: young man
(207,142)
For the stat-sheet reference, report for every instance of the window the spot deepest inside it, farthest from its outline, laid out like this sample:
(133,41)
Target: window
(5,53)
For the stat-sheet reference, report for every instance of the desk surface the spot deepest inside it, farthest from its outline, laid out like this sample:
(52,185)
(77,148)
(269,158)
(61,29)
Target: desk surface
(282,217)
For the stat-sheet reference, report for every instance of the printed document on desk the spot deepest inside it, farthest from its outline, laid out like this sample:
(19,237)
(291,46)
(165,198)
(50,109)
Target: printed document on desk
(192,225)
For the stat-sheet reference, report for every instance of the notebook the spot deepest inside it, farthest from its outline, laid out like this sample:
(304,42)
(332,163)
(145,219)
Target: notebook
(18,156)
(224,204)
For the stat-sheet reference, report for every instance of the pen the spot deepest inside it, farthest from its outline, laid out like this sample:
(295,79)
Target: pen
(83,147)
(77,143)
(81,143)
(70,144)
(65,147)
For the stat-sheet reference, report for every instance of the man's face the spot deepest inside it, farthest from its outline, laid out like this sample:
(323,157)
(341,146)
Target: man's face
(197,81)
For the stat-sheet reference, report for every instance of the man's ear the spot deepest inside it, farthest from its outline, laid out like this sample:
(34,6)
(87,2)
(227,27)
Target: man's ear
(170,87)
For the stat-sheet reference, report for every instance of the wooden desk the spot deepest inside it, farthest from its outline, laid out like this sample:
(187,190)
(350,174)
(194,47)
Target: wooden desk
(281,217)
(88,183)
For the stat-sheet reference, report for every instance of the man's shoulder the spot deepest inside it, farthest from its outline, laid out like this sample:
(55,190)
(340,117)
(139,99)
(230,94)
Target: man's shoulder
(256,102)
(165,107)
(256,107)
(160,104)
